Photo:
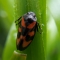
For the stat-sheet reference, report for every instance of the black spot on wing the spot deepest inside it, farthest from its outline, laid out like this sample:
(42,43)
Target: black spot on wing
(28,38)
(19,47)
(18,34)
(24,31)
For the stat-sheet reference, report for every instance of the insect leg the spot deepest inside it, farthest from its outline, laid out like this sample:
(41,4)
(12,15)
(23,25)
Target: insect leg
(39,28)
(18,19)
(18,23)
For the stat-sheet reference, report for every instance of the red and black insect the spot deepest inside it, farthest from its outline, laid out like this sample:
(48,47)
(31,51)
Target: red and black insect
(27,27)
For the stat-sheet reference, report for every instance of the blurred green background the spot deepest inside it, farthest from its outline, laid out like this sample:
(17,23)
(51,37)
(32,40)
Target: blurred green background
(8,29)
(6,19)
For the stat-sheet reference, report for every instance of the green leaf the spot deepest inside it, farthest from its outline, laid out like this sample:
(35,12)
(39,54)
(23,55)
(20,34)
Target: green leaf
(36,50)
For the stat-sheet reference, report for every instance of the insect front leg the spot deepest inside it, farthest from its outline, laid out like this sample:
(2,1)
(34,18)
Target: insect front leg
(19,21)
(39,29)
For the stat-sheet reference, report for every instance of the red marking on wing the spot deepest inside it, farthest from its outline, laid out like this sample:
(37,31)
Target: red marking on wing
(25,43)
(19,29)
(23,23)
(19,39)
(31,33)
(31,25)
